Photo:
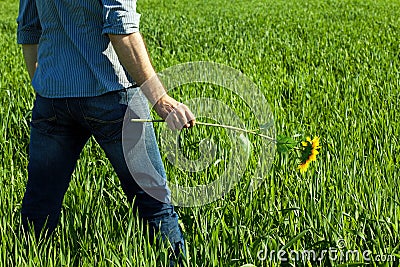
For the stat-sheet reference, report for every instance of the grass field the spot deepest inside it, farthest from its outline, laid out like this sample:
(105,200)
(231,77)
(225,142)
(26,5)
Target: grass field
(328,68)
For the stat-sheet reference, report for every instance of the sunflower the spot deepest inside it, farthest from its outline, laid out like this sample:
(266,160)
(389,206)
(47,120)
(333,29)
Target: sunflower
(309,152)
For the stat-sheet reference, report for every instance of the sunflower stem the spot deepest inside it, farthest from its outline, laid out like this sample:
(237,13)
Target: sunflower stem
(216,125)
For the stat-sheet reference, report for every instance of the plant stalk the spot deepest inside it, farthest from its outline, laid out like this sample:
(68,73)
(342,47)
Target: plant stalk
(215,125)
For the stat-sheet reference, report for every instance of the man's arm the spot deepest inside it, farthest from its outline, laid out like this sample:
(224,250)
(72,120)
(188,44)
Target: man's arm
(133,55)
(30,55)
(28,33)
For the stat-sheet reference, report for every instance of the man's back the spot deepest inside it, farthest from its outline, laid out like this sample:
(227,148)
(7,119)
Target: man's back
(74,43)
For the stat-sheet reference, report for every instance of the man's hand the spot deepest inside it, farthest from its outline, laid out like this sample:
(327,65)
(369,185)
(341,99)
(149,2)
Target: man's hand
(176,114)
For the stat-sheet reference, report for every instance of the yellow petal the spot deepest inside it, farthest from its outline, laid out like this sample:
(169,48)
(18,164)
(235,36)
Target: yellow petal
(313,156)
(315,142)
(303,166)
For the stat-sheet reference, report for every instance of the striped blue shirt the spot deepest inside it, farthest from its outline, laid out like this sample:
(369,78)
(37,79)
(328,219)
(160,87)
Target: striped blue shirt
(75,56)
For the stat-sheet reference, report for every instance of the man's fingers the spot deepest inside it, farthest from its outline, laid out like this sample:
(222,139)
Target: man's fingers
(187,117)
(170,123)
(173,121)
(177,115)
(190,117)
(192,123)
(180,117)
(181,112)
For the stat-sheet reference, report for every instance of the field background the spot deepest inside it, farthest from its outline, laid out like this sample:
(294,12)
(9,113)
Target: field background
(327,68)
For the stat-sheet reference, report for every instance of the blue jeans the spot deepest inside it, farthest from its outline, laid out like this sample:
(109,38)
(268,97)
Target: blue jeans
(60,127)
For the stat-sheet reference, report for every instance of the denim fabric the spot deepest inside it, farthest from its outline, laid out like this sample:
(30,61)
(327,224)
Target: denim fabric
(60,127)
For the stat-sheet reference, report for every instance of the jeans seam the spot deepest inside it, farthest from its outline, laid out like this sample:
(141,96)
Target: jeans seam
(69,111)
(102,121)
(54,110)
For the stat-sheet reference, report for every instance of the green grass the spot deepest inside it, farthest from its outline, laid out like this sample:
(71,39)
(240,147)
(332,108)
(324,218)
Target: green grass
(327,68)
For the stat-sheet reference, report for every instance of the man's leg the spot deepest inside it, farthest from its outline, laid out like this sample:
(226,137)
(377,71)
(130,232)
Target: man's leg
(160,216)
(108,116)
(53,151)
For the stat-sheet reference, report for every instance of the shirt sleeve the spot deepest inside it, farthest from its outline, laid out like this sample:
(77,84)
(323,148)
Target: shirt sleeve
(120,17)
(29,29)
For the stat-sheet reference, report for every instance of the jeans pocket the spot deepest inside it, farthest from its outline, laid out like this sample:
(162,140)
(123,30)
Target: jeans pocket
(105,113)
(43,115)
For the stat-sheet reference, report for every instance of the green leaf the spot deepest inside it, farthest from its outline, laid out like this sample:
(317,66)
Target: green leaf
(285,143)
(293,240)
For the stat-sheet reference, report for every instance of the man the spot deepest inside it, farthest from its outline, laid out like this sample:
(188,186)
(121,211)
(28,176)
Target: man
(84,59)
